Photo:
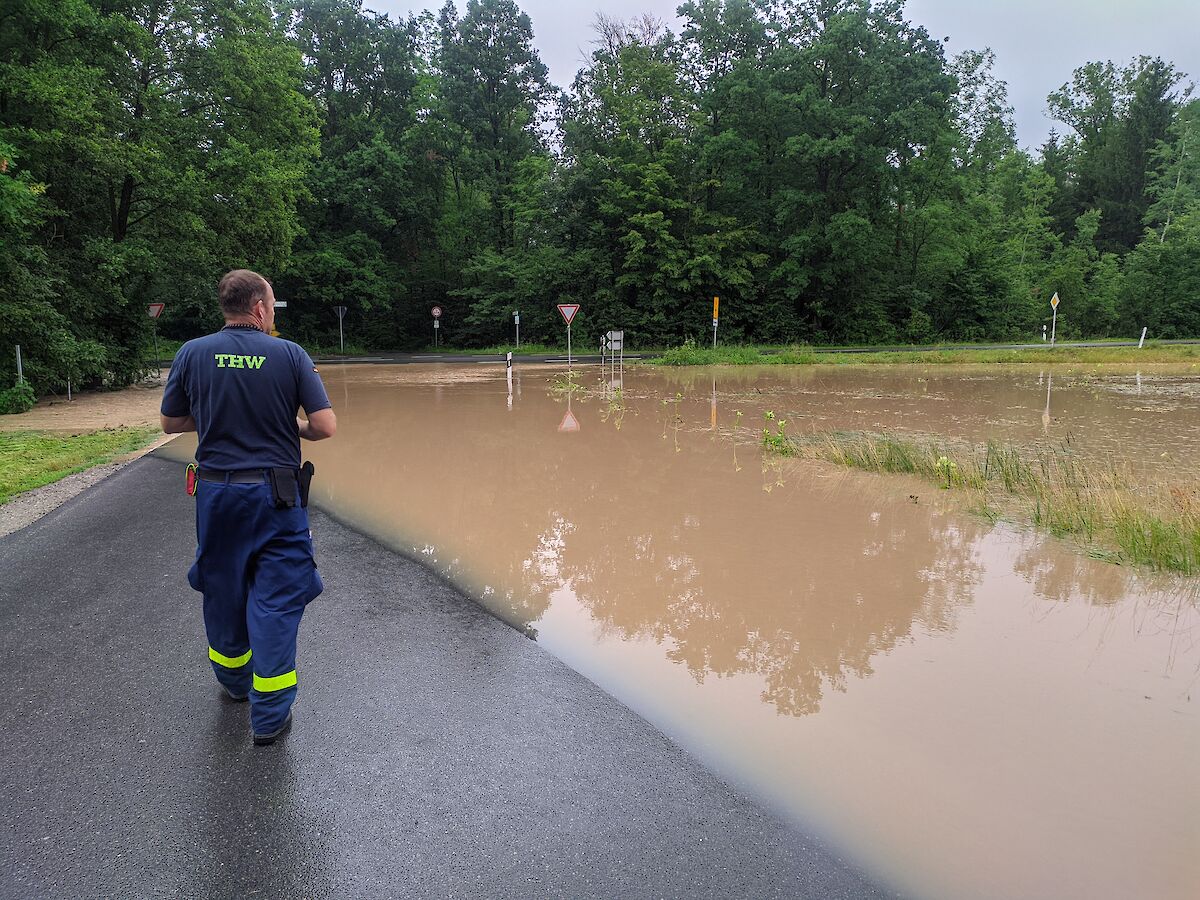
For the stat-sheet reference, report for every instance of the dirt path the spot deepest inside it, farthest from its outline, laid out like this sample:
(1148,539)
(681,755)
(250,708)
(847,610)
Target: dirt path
(134,407)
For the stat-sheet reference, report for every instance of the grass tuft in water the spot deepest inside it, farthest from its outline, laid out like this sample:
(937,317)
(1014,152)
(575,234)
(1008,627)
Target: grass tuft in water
(1104,505)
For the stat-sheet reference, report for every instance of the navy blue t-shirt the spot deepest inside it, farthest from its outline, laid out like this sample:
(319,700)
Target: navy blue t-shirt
(244,388)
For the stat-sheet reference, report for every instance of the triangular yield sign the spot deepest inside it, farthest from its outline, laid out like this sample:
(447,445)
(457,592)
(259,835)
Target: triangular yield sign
(568,311)
(569,422)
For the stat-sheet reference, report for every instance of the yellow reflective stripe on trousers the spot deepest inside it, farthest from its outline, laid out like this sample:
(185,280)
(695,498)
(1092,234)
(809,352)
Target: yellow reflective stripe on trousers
(275,682)
(229,662)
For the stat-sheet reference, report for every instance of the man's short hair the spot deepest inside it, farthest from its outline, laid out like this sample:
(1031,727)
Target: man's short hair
(239,290)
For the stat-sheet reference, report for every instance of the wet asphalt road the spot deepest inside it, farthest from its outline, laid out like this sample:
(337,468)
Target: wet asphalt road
(437,752)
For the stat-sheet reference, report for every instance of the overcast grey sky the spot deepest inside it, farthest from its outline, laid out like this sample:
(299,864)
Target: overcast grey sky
(1038,43)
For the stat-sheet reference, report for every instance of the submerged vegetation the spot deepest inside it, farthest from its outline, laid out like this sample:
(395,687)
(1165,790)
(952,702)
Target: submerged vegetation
(1105,505)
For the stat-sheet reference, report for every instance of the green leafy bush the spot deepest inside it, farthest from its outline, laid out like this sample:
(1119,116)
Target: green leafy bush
(17,399)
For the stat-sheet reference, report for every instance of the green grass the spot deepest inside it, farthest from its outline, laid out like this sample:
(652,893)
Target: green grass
(31,459)
(1102,504)
(692,355)
(501,349)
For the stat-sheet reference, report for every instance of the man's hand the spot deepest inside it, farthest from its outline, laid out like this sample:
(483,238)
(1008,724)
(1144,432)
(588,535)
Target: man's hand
(177,424)
(320,425)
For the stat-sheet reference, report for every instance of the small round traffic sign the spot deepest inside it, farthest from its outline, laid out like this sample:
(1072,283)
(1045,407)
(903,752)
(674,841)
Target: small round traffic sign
(437,312)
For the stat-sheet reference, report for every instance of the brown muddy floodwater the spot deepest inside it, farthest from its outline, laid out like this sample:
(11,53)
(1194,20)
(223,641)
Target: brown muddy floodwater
(967,710)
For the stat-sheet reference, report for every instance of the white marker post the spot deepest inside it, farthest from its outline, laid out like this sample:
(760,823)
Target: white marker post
(716,305)
(20,370)
(1143,340)
(1054,323)
(508,372)
(568,312)
(341,314)
(437,315)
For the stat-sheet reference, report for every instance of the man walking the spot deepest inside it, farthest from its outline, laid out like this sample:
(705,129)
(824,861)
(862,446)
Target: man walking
(240,389)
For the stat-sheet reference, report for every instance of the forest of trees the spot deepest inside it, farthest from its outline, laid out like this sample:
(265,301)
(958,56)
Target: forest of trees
(822,165)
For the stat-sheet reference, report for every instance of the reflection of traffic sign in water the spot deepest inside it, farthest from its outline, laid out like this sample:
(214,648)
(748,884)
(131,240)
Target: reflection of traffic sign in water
(569,422)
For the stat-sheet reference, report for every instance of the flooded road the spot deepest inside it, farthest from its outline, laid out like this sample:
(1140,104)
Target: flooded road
(966,709)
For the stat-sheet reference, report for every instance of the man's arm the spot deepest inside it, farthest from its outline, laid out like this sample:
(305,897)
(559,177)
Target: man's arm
(177,424)
(320,425)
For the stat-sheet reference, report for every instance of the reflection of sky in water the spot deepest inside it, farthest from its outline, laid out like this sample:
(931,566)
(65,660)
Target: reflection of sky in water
(846,646)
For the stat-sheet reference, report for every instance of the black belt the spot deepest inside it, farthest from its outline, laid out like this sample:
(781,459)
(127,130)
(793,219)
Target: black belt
(240,476)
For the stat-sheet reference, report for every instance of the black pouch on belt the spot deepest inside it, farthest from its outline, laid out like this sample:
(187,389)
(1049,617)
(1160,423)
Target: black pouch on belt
(284,486)
(306,474)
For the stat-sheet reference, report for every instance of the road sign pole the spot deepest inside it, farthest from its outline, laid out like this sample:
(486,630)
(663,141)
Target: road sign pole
(20,370)
(341,338)
(716,307)
(1143,340)
(568,311)
(1053,326)
(157,365)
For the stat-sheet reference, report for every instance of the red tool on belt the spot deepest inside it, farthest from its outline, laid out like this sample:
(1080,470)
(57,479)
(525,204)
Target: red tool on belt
(191,479)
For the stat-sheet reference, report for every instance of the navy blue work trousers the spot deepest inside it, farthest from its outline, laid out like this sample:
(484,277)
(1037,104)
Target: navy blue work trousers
(254,566)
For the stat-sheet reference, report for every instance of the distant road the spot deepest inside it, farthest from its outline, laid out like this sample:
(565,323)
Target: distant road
(491,359)
(1040,345)
(594,359)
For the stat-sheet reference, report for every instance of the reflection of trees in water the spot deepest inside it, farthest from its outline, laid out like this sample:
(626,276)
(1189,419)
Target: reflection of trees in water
(802,594)
(1065,573)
